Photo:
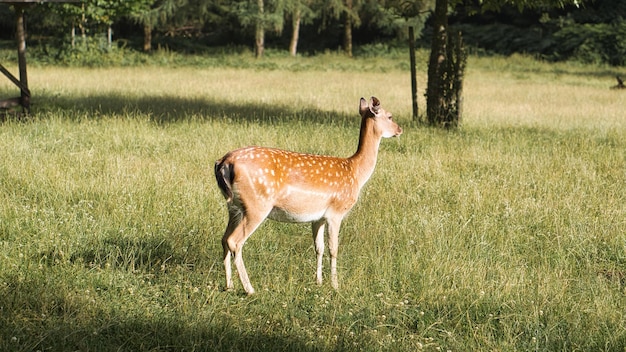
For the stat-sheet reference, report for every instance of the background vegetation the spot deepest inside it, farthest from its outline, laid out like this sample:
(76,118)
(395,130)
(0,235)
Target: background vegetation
(593,32)
(507,234)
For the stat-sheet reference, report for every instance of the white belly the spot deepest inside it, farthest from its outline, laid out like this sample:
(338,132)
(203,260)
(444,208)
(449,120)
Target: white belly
(283,215)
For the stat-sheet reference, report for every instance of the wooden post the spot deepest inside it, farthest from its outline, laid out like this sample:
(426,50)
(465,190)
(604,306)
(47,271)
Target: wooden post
(21,57)
(413,72)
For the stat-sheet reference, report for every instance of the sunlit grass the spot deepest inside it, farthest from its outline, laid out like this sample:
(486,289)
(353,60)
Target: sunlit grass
(508,234)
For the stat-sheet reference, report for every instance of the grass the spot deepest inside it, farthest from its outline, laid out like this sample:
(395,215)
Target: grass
(509,234)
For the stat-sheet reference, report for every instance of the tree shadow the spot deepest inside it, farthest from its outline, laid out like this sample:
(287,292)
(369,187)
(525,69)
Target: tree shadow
(46,309)
(39,315)
(149,255)
(173,109)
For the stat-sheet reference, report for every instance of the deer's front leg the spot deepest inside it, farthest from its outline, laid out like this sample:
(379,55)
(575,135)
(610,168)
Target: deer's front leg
(318,239)
(238,230)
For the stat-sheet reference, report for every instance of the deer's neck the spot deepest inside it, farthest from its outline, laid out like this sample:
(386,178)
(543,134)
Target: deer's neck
(364,160)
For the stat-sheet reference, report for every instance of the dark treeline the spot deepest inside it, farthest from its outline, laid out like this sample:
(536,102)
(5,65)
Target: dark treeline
(594,32)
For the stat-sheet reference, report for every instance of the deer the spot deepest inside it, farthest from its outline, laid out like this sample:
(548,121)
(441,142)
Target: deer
(286,186)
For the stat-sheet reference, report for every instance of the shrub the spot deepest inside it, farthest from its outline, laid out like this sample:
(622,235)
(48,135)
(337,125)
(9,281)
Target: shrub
(592,43)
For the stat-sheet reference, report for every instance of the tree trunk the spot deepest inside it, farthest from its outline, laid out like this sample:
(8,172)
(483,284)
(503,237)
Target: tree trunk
(81,26)
(109,36)
(147,37)
(460,60)
(293,45)
(260,30)
(21,58)
(347,39)
(444,100)
(435,102)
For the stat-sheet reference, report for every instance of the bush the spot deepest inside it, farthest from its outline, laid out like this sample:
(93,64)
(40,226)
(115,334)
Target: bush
(592,43)
(599,43)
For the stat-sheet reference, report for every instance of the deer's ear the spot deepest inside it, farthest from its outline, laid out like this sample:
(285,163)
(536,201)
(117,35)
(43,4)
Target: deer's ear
(363,107)
(374,105)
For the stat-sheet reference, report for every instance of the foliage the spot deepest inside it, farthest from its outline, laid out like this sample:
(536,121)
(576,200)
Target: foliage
(594,33)
(248,14)
(600,43)
(307,9)
(590,32)
(151,13)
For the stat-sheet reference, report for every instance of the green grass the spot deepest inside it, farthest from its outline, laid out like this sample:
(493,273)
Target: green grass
(509,234)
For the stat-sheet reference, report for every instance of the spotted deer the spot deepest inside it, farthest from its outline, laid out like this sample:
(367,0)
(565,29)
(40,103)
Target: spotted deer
(260,183)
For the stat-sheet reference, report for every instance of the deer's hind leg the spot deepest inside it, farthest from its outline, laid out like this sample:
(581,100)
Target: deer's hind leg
(240,227)
(234,219)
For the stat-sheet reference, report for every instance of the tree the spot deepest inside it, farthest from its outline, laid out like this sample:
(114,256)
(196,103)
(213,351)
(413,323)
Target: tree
(437,107)
(347,38)
(348,11)
(259,29)
(109,11)
(443,106)
(149,13)
(300,11)
(262,15)
(189,20)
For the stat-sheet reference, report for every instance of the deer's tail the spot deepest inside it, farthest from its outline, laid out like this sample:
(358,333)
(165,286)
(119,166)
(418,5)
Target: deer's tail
(224,174)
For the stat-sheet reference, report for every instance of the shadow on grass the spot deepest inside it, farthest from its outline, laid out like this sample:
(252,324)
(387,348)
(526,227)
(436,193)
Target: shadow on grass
(172,109)
(127,253)
(48,309)
(46,312)
(168,335)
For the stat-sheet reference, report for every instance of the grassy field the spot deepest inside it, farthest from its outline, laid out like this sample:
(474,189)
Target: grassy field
(506,235)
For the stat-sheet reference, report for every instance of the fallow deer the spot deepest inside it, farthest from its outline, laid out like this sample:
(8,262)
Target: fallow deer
(260,183)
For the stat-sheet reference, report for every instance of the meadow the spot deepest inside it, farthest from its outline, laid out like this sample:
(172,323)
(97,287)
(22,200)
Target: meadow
(508,234)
